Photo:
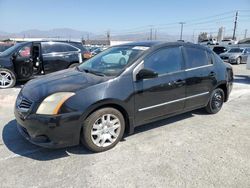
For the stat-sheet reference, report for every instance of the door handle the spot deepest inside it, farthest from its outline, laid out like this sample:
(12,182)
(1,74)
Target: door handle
(212,74)
(179,82)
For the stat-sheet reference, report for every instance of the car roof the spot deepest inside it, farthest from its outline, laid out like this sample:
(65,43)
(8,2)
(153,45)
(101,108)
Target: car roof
(143,43)
(163,43)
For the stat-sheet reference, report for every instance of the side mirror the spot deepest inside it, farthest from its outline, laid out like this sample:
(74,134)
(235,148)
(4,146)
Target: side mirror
(146,74)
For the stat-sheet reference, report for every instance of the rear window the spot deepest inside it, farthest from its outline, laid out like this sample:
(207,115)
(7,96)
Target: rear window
(4,47)
(195,57)
(54,47)
(79,46)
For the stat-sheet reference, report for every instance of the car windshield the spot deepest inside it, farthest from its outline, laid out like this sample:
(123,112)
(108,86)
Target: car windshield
(10,50)
(219,49)
(235,50)
(113,60)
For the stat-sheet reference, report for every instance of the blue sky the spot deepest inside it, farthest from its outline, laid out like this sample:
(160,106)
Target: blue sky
(121,17)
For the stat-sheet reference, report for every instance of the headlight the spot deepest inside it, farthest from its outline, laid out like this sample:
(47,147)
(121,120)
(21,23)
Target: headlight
(52,104)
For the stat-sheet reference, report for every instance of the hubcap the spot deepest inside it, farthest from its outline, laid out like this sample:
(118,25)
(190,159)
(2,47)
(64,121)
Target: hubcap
(5,79)
(238,60)
(105,130)
(217,100)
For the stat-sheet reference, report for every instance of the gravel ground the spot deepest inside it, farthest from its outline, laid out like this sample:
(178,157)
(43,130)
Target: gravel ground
(190,150)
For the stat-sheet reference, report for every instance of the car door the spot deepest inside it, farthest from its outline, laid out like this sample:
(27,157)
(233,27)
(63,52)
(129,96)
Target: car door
(23,63)
(201,76)
(164,94)
(245,55)
(55,57)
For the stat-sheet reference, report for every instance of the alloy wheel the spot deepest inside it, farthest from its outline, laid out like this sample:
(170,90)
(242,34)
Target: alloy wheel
(105,130)
(5,79)
(238,60)
(217,100)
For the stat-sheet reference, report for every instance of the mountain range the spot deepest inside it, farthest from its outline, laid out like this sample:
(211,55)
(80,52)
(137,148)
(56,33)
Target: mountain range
(70,34)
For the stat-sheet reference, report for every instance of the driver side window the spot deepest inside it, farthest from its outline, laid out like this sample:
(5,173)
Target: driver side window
(25,51)
(165,60)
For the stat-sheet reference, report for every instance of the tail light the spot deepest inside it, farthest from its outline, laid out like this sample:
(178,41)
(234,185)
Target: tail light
(87,55)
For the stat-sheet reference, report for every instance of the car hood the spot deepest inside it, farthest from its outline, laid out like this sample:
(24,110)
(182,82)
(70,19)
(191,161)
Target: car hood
(69,80)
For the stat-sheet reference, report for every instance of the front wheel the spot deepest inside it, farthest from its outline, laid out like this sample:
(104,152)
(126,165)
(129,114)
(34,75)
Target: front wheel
(216,101)
(103,129)
(238,60)
(7,78)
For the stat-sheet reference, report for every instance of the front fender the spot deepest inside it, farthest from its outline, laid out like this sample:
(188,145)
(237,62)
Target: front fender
(7,64)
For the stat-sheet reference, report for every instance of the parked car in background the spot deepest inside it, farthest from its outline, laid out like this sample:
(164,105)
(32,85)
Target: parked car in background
(211,41)
(220,49)
(85,52)
(228,42)
(236,55)
(97,101)
(97,51)
(248,64)
(4,46)
(25,60)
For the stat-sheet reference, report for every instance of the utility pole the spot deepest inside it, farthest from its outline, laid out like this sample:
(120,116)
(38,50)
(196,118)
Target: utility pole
(88,37)
(108,35)
(193,35)
(155,34)
(245,35)
(182,23)
(235,24)
(151,34)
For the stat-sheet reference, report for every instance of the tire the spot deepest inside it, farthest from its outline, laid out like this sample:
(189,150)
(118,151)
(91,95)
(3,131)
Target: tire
(73,65)
(238,60)
(216,101)
(97,128)
(7,78)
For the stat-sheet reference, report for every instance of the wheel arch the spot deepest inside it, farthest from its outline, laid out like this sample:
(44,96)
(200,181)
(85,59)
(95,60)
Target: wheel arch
(129,125)
(73,62)
(223,86)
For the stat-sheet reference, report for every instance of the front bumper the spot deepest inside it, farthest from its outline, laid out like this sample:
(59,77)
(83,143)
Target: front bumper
(231,61)
(50,131)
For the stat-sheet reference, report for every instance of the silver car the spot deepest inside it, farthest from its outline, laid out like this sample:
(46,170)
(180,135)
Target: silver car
(236,55)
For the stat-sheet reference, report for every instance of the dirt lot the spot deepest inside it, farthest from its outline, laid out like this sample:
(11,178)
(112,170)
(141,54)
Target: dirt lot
(189,150)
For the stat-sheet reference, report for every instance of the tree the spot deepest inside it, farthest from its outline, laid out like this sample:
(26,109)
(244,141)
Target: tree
(202,36)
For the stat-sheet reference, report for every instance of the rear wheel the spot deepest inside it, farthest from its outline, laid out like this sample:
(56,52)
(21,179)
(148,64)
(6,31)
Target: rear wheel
(238,60)
(216,101)
(103,129)
(7,78)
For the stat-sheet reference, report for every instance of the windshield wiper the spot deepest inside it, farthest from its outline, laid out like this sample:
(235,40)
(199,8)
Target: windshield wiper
(93,72)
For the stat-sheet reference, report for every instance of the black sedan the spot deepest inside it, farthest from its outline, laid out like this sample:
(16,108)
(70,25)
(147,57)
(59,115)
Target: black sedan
(26,60)
(119,89)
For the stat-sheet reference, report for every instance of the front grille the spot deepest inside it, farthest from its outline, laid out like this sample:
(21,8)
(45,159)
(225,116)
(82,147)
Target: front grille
(23,104)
